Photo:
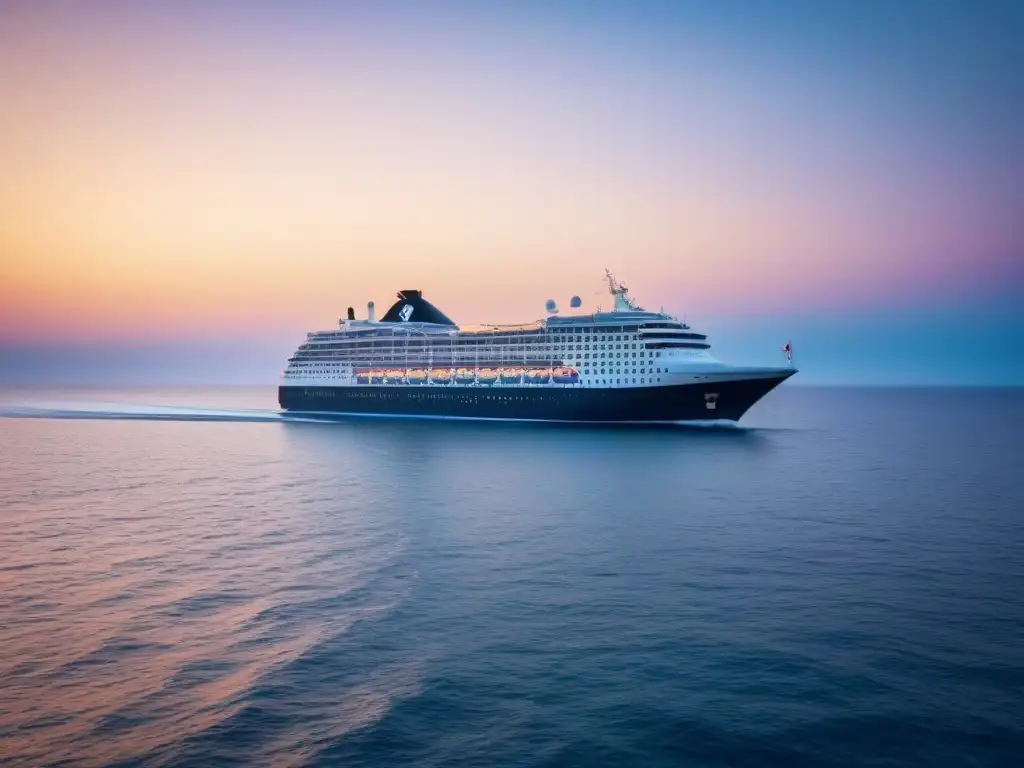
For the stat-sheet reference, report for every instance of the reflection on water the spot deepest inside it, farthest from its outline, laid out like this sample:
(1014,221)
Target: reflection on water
(159,576)
(827,583)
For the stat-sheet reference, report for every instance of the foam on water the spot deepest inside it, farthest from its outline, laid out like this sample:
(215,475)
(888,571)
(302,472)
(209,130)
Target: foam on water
(87,410)
(151,412)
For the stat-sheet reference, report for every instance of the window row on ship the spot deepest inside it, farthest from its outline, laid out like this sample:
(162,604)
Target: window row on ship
(586,371)
(619,380)
(568,330)
(460,344)
(557,335)
(439,355)
(449,345)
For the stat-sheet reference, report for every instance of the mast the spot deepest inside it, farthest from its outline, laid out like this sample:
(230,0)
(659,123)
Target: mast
(621,293)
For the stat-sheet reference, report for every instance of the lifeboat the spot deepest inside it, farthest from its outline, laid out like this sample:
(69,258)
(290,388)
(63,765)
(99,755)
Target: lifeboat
(566,376)
(538,376)
(464,376)
(511,375)
(441,375)
(362,375)
(395,376)
(416,376)
(487,376)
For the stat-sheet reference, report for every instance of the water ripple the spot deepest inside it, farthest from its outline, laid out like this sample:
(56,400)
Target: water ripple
(836,585)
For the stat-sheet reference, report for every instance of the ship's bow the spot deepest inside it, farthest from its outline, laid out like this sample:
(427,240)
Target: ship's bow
(731,395)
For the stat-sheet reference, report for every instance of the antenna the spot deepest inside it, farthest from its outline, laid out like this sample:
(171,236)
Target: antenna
(621,293)
(613,287)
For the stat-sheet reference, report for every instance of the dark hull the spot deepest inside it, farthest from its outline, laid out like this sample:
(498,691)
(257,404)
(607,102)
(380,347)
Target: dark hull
(687,402)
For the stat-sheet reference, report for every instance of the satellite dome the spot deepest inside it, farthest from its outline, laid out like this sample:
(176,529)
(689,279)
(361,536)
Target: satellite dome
(550,306)
(575,302)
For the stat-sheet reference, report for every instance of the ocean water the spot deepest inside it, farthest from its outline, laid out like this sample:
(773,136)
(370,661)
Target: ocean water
(186,578)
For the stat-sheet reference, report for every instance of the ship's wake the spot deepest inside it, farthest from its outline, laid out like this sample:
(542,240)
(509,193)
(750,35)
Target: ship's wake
(143,412)
(148,412)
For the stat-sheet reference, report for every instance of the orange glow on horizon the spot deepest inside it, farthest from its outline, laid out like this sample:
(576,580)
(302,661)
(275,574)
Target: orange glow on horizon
(172,185)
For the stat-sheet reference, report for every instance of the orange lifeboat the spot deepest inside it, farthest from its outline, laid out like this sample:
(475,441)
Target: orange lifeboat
(565,375)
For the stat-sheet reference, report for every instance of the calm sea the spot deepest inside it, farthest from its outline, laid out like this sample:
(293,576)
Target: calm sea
(188,579)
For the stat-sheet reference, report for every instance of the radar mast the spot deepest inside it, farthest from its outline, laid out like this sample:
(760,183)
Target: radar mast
(621,293)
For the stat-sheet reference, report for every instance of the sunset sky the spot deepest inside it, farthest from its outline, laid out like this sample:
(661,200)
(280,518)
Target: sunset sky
(216,178)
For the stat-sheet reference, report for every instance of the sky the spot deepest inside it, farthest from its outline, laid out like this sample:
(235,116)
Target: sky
(187,188)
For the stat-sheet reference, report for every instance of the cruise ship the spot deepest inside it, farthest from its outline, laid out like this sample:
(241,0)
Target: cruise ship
(624,365)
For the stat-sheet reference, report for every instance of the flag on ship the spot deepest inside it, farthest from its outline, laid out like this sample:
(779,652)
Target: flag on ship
(788,349)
